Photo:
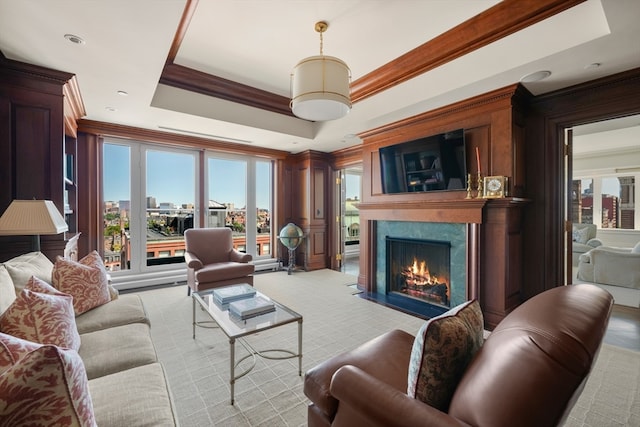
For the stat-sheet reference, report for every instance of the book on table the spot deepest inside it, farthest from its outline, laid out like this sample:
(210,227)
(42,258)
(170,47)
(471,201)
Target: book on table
(250,307)
(228,294)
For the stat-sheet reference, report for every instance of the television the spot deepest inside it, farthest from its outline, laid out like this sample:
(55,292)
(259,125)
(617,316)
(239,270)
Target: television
(433,163)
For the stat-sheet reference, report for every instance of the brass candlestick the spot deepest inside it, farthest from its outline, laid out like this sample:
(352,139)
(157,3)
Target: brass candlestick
(469,186)
(479,185)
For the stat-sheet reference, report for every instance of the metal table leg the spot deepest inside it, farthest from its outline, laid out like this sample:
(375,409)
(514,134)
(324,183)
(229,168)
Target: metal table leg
(232,367)
(193,312)
(300,347)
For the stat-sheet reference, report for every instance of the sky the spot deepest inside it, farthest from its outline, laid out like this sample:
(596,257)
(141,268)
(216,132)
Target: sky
(171,178)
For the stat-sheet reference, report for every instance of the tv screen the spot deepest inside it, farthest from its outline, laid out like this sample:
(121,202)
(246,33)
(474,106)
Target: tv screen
(434,163)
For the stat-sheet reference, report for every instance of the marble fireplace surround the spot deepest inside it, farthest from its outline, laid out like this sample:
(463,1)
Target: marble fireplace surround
(455,234)
(456,220)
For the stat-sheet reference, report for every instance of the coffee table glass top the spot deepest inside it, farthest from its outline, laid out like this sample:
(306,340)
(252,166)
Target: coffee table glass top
(234,327)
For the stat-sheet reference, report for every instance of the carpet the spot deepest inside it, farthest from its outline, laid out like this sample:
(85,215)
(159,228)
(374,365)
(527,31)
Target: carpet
(335,320)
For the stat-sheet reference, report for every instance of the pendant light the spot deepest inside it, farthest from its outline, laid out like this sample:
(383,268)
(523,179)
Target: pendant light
(320,86)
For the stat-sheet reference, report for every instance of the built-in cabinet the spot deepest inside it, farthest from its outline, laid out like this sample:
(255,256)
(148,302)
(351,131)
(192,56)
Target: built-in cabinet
(32,142)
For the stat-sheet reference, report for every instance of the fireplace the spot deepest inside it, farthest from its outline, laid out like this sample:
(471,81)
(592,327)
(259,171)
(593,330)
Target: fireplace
(419,269)
(443,246)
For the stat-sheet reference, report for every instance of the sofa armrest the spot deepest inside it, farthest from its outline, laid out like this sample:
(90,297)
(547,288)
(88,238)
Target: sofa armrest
(237,256)
(382,405)
(192,261)
(594,242)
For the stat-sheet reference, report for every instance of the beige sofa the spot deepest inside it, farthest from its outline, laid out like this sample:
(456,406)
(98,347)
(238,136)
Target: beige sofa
(611,266)
(127,384)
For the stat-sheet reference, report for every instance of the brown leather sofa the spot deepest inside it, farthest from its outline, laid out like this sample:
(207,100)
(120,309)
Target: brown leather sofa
(528,372)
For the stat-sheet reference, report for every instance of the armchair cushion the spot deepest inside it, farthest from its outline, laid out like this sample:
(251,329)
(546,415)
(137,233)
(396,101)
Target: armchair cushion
(223,271)
(443,348)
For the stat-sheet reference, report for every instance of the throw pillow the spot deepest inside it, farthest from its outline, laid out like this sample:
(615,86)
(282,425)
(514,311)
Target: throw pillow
(580,235)
(42,314)
(85,280)
(22,267)
(13,349)
(46,385)
(441,352)
(7,290)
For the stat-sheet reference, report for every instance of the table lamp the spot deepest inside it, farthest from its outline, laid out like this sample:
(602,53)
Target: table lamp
(32,218)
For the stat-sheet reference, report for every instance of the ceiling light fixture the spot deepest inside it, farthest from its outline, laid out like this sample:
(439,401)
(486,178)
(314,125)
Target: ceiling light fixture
(320,86)
(74,39)
(535,77)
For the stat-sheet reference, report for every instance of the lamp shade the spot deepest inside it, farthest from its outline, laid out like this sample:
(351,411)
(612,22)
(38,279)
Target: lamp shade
(32,217)
(320,88)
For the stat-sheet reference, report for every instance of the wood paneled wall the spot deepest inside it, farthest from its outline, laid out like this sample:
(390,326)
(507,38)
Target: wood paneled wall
(32,145)
(493,124)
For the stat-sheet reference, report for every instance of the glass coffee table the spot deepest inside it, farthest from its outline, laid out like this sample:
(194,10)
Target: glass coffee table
(236,329)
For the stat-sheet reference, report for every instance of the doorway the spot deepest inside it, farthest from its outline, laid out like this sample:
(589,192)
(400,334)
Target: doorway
(350,196)
(605,167)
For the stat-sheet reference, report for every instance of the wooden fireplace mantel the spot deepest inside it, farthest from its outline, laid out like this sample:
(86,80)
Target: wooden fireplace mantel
(466,211)
(493,244)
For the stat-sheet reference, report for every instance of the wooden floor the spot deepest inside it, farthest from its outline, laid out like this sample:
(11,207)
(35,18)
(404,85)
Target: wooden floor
(624,328)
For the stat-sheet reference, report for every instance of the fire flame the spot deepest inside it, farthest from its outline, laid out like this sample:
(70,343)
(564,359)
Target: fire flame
(418,274)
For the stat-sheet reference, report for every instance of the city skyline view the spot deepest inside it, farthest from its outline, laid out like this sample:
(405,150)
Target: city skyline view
(171,178)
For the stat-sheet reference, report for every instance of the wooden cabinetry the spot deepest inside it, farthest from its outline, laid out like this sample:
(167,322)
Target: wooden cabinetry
(70,184)
(493,127)
(32,111)
(306,180)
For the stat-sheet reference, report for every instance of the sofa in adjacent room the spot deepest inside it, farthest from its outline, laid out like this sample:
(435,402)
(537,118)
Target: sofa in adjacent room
(583,240)
(616,269)
(116,377)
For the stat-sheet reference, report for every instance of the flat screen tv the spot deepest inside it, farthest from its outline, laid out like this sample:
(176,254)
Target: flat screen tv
(433,163)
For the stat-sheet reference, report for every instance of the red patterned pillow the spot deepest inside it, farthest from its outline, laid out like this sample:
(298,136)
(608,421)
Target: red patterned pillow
(86,280)
(46,385)
(42,314)
(13,349)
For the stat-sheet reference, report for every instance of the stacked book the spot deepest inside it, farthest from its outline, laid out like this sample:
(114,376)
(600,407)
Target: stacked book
(228,294)
(250,307)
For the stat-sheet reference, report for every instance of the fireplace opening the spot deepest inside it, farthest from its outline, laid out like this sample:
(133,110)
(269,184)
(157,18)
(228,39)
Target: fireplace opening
(419,269)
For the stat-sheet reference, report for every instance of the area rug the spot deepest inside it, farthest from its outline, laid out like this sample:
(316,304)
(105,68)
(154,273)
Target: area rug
(335,320)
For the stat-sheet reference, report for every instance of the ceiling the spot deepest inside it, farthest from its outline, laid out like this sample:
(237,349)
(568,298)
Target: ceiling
(258,42)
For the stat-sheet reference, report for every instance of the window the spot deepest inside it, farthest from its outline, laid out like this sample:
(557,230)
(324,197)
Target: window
(150,200)
(607,201)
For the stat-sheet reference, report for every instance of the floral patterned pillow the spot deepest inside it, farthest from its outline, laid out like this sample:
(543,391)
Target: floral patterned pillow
(42,314)
(441,352)
(13,349)
(45,385)
(86,280)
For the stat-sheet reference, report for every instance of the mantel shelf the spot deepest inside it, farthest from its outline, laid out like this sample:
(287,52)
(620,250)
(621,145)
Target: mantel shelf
(454,210)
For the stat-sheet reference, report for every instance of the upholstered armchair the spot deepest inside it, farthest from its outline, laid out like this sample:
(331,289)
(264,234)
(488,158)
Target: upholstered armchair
(212,261)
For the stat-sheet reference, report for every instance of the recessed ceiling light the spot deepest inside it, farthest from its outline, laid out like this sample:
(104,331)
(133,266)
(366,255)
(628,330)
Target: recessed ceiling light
(592,66)
(123,93)
(535,77)
(74,39)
